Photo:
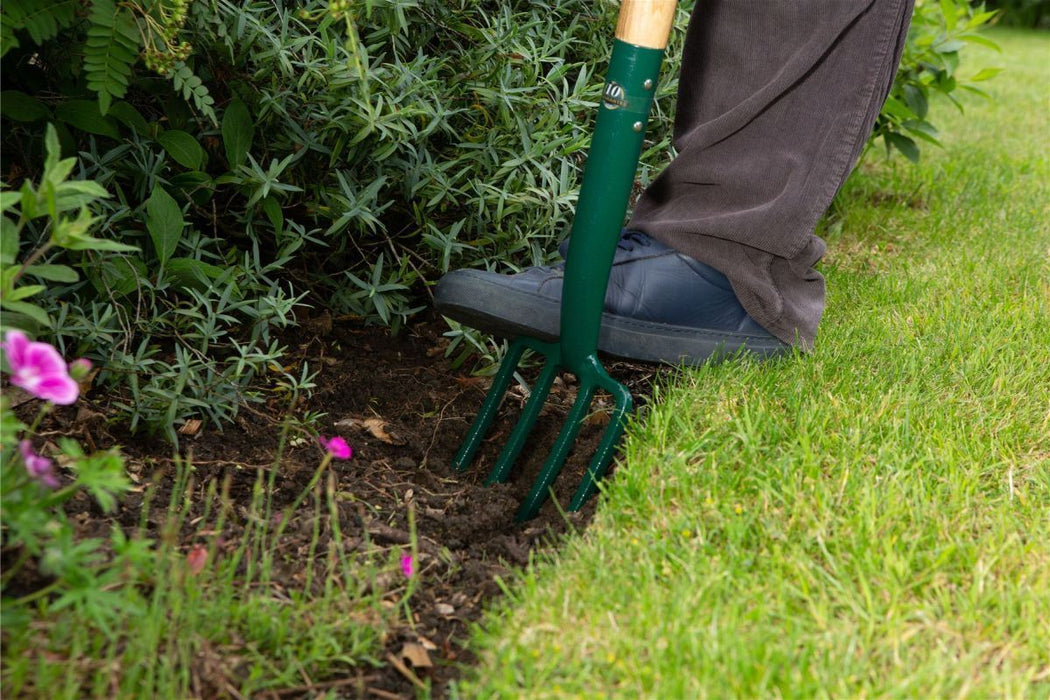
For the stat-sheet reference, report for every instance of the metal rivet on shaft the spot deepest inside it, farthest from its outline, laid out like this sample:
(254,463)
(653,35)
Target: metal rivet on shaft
(638,126)
(648,84)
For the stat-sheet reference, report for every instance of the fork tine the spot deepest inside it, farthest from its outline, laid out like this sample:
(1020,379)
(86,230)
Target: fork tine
(482,422)
(524,425)
(556,458)
(603,457)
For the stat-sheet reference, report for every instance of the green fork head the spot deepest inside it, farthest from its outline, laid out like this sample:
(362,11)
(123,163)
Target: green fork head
(592,376)
(607,182)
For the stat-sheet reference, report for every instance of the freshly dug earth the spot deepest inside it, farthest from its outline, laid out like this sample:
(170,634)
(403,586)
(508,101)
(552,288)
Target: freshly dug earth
(404,410)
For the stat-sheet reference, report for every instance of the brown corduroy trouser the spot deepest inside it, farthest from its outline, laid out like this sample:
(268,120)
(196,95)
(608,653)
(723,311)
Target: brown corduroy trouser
(775,103)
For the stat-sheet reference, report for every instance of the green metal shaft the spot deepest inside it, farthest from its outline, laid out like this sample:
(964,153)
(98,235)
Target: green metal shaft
(604,195)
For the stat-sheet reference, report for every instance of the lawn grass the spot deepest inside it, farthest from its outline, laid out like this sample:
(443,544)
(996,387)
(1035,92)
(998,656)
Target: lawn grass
(871,520)
(158,628)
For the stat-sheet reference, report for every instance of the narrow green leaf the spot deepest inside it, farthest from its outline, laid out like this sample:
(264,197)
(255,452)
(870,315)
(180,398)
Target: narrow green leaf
(24,292)
(85,242)
(986,74)
(183,148)
(238,130)
(53,150)
(8,241)
(983,41)
(77,193)
(53,273)
(164,222)
(272,208)
(950,46)
(26,309)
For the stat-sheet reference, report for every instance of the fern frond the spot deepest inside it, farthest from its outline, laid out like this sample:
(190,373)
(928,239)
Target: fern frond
(193,90)
(42,19)
(111,49)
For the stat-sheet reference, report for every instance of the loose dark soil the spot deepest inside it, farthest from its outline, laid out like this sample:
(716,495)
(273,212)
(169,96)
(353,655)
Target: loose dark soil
(404,410)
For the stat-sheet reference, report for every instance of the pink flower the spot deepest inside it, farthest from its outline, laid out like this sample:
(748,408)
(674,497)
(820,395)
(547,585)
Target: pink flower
(40,468)
(196,558)
(79,369)
(337,447)
(39,369)
(407,567)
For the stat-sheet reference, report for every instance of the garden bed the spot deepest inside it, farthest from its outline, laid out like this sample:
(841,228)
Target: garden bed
(404,410)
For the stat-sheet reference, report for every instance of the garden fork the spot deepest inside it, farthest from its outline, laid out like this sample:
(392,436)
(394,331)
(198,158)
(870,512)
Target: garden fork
(641,36)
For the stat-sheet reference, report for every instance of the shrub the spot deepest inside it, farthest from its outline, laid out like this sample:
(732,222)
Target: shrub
(266,159)
(1023,13)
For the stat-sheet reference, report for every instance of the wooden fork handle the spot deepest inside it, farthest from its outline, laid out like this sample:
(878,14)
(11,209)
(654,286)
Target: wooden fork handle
(646,22)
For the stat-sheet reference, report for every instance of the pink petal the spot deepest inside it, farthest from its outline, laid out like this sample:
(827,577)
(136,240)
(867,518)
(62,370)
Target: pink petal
(196,558)
(58,389)
(14,346)
(40,468)
(406,565)
(337,447)
(44,359)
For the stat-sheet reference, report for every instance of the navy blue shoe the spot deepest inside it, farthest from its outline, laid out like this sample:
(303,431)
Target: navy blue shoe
(661,306)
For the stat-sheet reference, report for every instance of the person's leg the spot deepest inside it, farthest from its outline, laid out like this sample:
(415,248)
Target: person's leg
(777,99)
(775,104)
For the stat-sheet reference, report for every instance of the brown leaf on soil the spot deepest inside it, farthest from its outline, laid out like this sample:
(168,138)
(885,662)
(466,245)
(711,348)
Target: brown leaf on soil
(376,427)
(190,427)
(416,655)
(405,671)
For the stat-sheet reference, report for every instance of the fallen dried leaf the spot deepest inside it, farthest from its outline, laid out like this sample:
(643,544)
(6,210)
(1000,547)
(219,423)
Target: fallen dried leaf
(376,427)
(416,655)
(444,609)
(190,427)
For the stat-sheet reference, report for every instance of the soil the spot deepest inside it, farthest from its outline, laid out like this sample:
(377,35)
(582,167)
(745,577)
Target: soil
(404,409)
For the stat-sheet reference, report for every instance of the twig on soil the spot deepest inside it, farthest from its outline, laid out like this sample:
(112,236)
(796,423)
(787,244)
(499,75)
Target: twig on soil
(405,671)
(391,535)
(312,687)
(437,427)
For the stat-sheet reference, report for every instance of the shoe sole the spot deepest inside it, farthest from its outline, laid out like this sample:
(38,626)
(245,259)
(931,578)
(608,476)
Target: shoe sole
(512,313)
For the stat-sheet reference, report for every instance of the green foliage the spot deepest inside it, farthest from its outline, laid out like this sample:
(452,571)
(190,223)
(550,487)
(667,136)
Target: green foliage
(1023,13)
(929,65)
(52,199)
(114,37)
(136,609)
(36,530)
(110,50)
(40,20)
(330,156)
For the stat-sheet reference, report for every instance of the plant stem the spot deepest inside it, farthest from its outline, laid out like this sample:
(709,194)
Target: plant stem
(33,257)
